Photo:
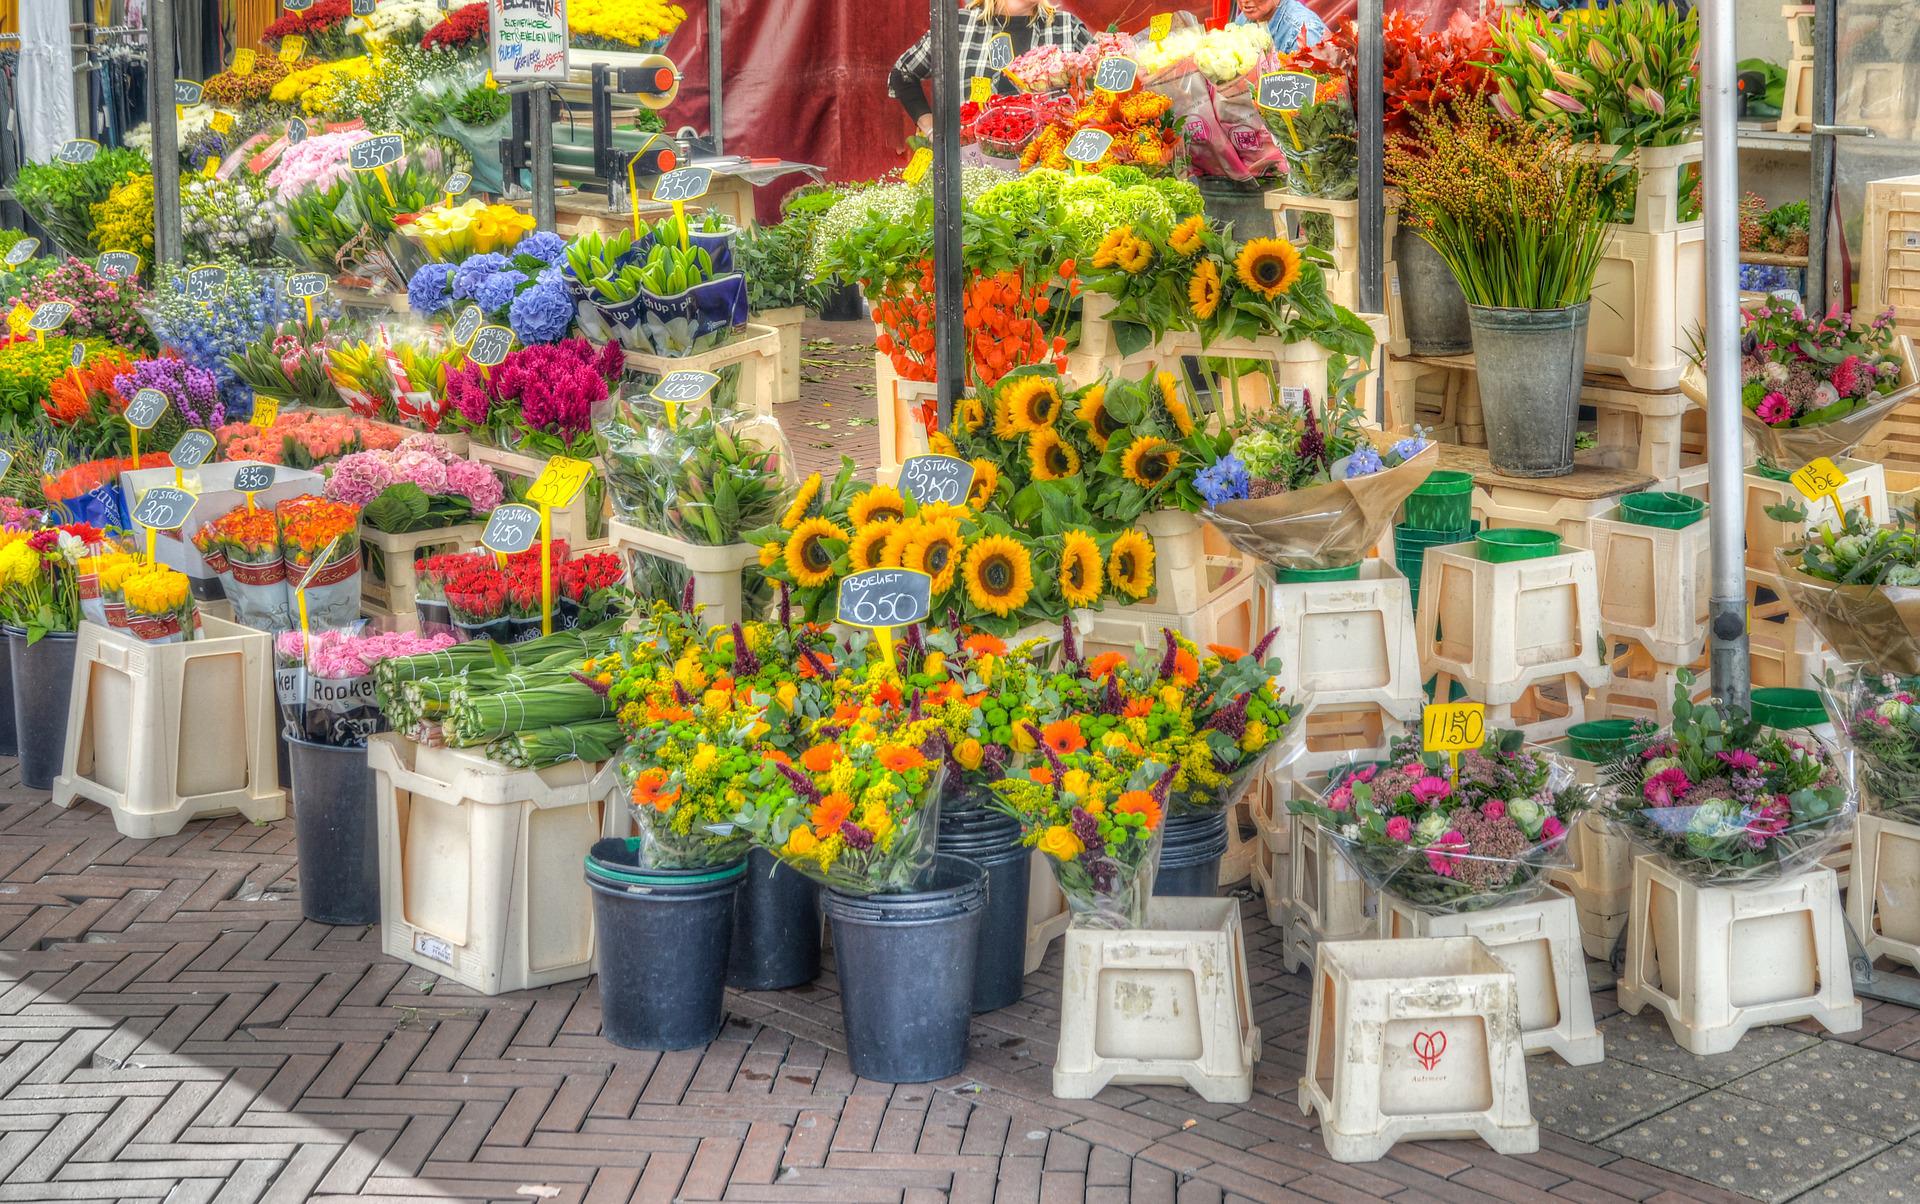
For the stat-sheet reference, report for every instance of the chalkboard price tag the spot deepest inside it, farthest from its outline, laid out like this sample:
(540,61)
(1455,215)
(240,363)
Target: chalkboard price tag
(50,461)
(467,325)
(682,184)
(559,482)
(999,51)
(378,151)
(458,183)
(118,265)
(164,508)
(1286,91)
(929,479)
(186,92)
(490,345)
(684,387)
(194,449)
(6,461)
(78,150)
(204,283)
(1088,145)
(145,409)
(243,61)
(22,251)
(51,315)
(296,132)
(306,284)
(511,529)
(884,598)
(79,355)
(363,8)
(253,478)
(1115,73)
(296,6)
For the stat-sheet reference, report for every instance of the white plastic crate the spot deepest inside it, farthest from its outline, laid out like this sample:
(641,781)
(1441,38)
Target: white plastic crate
(1500,506)
(1649,292)
(1883,900)
(1047,913)
(1661,188)
(160,734)
(1866,489)
(394,592)
(1636,430)
(1231,615)
(900,407)
(1499,629)
(1890,251)
(786,322)
(482,867)
(1349,641)
(1654,585)
(1330,901)
(714,569)
(756,352)
(568,522)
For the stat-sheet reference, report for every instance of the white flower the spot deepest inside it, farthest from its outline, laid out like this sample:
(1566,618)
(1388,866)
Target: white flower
(70,546)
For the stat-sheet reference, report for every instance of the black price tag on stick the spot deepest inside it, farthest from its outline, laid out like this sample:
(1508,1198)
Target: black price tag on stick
(999,51)
(1088,145)
(490,345)
(22,251)
(458,183)
(363,8)
(51,315)
(511,529)
(78,150)
(204,284)
(193,449)
(253,478)
(928,479)
(683,184)
(145,409)
(186,92)
(164,508)
(306,284)
(1286,91)
(296,6)
(376,152)
(884,598)
(296,132)
(1115,73)
(6,461)
(684,386)
(467,325)
(118,265)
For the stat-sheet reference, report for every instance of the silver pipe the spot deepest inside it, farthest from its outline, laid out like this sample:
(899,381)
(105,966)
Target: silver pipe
(1726,458)
(540,129)
(168,247)
(1820,158)
(714,89)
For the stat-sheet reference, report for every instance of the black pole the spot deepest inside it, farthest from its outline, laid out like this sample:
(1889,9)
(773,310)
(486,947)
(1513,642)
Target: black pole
(949,334)
(1820,187)
(1373,214)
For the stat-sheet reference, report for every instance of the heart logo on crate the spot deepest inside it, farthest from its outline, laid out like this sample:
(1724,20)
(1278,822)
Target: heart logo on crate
(1428,1047)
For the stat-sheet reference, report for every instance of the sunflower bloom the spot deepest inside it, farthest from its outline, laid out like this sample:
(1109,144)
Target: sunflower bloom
(1203,290)
(1033,403)
(1130,564)
(1188,236)
(881,503)
(864,551)
(1268,266)
(1080,578)
(986,482)
(809,559)
(802,502)
(998,574)
(1051,459)
(1107,253)
(1149,460)
(1093,412)
(1135,256)
(936,552)
(1176,407)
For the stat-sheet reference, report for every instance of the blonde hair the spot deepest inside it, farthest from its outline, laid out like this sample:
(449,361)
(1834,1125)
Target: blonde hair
(990,9)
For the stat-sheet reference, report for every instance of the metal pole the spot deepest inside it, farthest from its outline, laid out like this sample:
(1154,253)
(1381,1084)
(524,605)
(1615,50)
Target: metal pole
(540,139)
(1726,458)
(168,247)
(1372,154)
(1820,186)
(714,112)
(949,336)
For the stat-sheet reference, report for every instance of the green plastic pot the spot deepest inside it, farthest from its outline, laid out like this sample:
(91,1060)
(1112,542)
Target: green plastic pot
(1785,708)
(1442,502)
(1600,739)
(1509,544)
(1658,508)
(1343,572)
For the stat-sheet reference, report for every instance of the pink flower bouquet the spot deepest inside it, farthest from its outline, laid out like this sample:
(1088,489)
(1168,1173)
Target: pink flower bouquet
(418,486)
(1446,844)
(326,680)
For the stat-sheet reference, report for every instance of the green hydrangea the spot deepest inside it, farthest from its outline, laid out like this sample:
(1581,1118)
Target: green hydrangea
(1183,195)
(1083,188)
(1125,177)
(1047,183)
(1015,201)
(1137,205)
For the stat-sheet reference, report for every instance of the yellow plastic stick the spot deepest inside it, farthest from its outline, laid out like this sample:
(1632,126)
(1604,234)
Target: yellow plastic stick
(546,569)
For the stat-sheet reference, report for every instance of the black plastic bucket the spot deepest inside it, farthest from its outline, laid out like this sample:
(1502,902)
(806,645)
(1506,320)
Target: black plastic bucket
(776,927)
(662,937)
(1190,853)
(906,973)
(42,688)
(991,840)
(9,744)
(334,819)
(842,303)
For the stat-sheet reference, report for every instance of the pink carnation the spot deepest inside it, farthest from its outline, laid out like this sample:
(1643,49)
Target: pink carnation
(1400,828)
(1665,788)
(1340,799)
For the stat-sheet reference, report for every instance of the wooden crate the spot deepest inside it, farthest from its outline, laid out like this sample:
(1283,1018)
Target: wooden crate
(395,590)
(1890,252)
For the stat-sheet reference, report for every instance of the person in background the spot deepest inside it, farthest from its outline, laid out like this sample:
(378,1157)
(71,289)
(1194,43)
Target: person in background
(1028,23)
(1291,23)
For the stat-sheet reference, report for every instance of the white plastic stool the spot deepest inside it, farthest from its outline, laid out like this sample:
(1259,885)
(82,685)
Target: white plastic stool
(1499,629)
(1047,913)
(1272,875)
(1412,1040)
(1601,884)
(1654,586)
(1349,641)
(1883,901)
(1330,901)
(1716,961)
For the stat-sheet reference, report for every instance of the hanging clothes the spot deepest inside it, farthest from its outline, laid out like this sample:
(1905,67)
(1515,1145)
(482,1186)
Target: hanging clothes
(45,100)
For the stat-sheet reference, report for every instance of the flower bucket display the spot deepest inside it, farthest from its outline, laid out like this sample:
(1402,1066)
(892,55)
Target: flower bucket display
(1859,586)
(1881,719)
(700,318)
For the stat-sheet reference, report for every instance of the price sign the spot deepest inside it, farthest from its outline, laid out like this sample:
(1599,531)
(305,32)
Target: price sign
(243,61)
(164,508)
(222,123)
(363,8)
(1088,145)
(981,89)
(683,387)
(511,529)
(265,410)
(1454,727)
(204,284)
(17,319)
(936,479)
(884,598)
(683,184)
(292,47)
(1286,91)
(79,355)
(368,154)
(999,51)
(1115,73)
(22,251)
(918,166)
(458,183)
(78,150)
(467,325)
(51,315)
(490,345)
(1160,27)
(194,449)
(6,461)
(306,284)
(1818,478)
(296,6)
(118,265)
(296,132)
(145,409)
(186,92)
(253,478)
(50,461)
(559,482)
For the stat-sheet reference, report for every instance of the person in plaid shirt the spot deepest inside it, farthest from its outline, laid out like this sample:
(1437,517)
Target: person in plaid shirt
(1029,23)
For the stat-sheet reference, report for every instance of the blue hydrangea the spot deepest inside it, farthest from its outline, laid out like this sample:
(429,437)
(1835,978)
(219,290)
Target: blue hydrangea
(542,314)
(431,289)
(472,273)
(1225,480)
(543,245)
(496,291)
(1363,463)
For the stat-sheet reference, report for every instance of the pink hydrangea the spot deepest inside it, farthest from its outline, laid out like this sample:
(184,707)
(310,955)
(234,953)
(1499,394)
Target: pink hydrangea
(1665,788)
(360,477)
(422,469)
(476,483)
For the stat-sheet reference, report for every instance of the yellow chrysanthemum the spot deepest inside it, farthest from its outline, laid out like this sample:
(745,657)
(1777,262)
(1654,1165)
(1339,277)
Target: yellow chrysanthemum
(878,504)
(868,543)
(1049,458)
(1188,236)
(809,560)
(1093,412)
(1203,290)
(1032,402)
(1268,266)
(986,482)
(1130,564)
(802,502)
(1176,408)
(1149,460)
(1080,569)
(999,575)
(936,553)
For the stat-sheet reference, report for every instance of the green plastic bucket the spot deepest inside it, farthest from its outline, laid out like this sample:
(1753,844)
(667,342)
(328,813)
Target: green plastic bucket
(1784,707)
(1442,502)
(1661,509)
(1600,739)
(1509,544)
(1343,572)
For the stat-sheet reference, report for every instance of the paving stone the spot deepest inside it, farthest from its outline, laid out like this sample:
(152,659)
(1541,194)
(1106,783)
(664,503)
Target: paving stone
(1892,1174)
(1589,1103)
(1741,1145)
(1866,1091)
(1645,1041)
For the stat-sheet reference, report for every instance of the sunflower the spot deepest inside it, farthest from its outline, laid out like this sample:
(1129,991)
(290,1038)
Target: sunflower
(999,575)
(1176,408)
(1080,569)
(802,502)
(986,483)
(1134,256)
(1203,290)
(1107,253)
(770,553)
(973,414)
(1187,236)
(1003,427)
(1051,459)
(934,512)
(809,560)
(868,543)
(1268,266)
(936,552)
(1130,564)
(900,536)
(880,503)
(940,445)
(1149,460)
(1093,412)
(1032,402)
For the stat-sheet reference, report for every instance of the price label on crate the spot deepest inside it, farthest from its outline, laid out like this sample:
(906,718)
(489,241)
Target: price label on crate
(243,61)
(1115,73)
(1285,91)
(467,325)
(164,508)
(221,122)
(684,387)
(22,251)
(1453,727)
(363,8)
(306,284)
(1159,27)
(559,482)
(884,598)
(193,448)
(145,409)
(1818,478)
(490,345)
(980,89)
(266,410)
(50,315)
(292,47)
(918,166)
(296,132)
(371,154)
(204,283)
(457,184)
(253,478)
(928,479)
(186,92)
(682,184)
(1088,145)
(118,265)
(999,51)
(78,150)
(511,529)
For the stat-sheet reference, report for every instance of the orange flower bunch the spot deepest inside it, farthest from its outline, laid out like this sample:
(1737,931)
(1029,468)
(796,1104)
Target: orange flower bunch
(1144,132)
(1004,322)
(86,394)
(308,524)
(305,438)
(82,477)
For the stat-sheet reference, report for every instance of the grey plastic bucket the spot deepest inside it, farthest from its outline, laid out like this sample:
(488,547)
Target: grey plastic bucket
(776,927)
(1190,853)
(334,819)
(1530,363)
(663,938)
(905,963)
(42,687)
(1431,303)
(991,840)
